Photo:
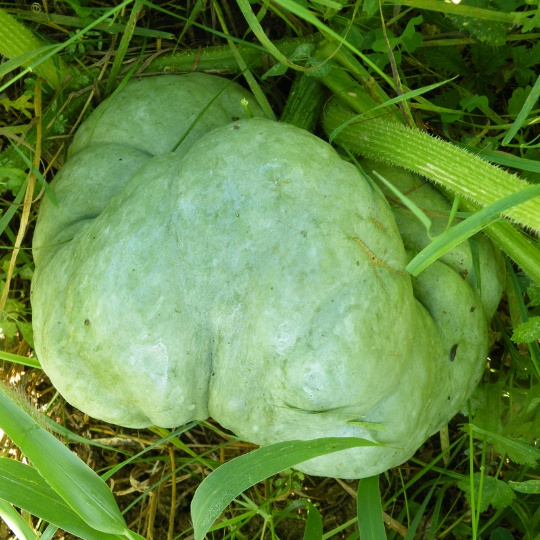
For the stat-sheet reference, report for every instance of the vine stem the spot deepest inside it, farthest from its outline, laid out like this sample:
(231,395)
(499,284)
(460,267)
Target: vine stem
(456,169)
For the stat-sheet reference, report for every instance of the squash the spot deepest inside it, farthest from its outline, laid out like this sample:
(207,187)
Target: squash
(252,276)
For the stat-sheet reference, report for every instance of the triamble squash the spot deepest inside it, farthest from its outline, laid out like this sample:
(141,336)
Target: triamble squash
(252,276)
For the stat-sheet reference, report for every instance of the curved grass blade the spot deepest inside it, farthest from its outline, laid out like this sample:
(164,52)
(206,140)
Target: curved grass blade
(532,98)
(25,488)
(416,521)
(467,228)
(370,514)
(15,522)
(408,203)
(231,479)
(399,99)
(84,491)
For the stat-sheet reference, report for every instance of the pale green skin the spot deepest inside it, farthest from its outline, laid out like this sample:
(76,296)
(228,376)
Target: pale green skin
(222,281)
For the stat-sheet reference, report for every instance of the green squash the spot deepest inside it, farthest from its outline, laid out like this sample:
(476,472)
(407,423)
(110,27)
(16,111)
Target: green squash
(252,276)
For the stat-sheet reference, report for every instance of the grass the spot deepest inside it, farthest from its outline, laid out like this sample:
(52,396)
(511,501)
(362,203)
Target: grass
(465,73)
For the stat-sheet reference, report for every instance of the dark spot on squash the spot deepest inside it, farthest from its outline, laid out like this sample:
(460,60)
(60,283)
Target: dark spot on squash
(235,119)
(448,398)
(473,308)
(87,322)
(453,352)
(236,127)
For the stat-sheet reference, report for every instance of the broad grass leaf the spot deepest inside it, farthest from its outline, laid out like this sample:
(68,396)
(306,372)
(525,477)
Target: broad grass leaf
(495,492)
(314,526)
(369,508)
(25,488)
(231,479)
(84,491)
(15,522)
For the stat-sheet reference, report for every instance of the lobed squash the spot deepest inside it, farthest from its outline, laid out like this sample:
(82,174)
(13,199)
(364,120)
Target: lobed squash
(252,276)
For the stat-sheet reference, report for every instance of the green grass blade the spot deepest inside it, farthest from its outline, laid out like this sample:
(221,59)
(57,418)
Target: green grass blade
(407,202)
(39,177)
(50,531)
(314,524)
(10,212)
(467,228)
(368,501)
(221,487)
(179,431)
(61,46)
(507,160)
(419,514)
(22,59)
(257,29)
(17,359)
(123,47)
(394,101)
(15,522)
(532,98)
(25,488)
(72,479)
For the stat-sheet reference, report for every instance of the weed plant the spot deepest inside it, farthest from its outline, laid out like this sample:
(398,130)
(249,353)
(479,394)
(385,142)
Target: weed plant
(466,73)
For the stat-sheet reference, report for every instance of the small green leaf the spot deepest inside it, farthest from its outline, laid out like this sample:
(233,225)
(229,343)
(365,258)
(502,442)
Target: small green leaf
(530,486)
(516,102)
(494,492)
(318,68)
(533,291)
(21,104)
(27,333)
(370,6)
(471,102)
(302,52)
(527,332)
(275,70)
(8,329)
(501,534)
